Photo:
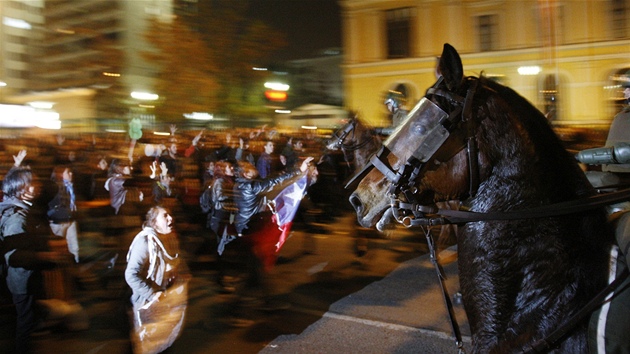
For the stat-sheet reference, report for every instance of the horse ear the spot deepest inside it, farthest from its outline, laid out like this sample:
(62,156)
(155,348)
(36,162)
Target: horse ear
(450,67)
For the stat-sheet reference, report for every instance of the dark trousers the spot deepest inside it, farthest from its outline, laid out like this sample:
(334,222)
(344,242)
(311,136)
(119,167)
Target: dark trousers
(26,320)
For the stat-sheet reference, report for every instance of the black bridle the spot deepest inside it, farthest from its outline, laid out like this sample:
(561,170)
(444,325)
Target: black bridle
(447,133)
(338,140)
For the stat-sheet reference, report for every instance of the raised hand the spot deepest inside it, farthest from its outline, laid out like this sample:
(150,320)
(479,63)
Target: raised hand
(197,138)
(17,160)
(153,168)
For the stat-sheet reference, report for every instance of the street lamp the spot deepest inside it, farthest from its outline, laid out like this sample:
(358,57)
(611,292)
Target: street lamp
(144,96)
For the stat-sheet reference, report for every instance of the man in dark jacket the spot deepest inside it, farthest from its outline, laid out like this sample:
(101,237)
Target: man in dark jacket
(249,192)
(23,248)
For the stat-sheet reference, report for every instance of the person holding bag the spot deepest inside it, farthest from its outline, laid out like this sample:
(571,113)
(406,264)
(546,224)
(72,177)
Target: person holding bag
(158,278)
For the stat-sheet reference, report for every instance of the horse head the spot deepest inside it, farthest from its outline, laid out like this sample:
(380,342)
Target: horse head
(427,147)
(451,142)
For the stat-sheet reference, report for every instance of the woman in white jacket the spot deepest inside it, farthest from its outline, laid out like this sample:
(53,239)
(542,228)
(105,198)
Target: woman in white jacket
(158,278)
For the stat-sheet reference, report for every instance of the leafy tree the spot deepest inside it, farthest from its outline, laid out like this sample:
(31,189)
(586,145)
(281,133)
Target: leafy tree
(186,80)
(206,60)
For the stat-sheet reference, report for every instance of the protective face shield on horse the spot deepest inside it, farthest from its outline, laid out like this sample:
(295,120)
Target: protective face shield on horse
(427,136)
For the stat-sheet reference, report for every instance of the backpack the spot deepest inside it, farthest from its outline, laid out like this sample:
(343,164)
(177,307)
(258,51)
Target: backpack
(205,200)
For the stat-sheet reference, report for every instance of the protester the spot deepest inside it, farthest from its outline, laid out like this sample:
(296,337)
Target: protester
(242,152)
(208,173)
(264,165)
(249,192)
(290,154)
(24,250)
(223,208)
(62,209)
(161,183)
(253,223)
(158,277)
(221,216)
(119,194)
(98,176)
(169,155)
(227,151)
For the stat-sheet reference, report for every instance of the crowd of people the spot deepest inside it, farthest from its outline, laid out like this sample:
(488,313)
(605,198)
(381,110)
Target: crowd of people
(217,184)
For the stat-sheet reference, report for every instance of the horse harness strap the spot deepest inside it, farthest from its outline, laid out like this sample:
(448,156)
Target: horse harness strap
(447,299)
(471,142)
(341,138)
(547,343)
(558,209)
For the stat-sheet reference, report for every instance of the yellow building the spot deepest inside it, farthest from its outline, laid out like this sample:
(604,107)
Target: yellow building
(566,57)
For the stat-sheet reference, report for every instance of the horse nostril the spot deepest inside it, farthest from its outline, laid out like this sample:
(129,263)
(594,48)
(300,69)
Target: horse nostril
(355,202)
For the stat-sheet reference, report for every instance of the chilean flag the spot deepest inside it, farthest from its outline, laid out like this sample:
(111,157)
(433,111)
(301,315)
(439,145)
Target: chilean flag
(284,207)
(273,230)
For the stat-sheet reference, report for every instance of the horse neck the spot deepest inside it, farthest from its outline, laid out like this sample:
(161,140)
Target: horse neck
(525,167)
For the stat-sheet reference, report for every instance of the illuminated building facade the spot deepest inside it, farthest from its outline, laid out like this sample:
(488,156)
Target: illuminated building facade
(566,57)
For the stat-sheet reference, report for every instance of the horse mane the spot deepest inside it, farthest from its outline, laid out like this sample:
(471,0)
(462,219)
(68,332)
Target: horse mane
(561,178)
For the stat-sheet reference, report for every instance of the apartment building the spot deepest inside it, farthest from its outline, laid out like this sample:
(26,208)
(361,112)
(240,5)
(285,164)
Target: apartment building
(65,51)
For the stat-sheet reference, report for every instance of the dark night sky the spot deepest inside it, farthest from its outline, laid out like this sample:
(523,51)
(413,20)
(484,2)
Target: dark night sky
(310,25)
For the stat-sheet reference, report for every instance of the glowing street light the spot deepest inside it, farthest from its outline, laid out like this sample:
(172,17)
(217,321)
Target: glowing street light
(145,96)
(277,86)
(529,70)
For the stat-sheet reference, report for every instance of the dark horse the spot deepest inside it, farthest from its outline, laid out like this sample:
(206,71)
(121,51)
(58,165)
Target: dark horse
(474,140)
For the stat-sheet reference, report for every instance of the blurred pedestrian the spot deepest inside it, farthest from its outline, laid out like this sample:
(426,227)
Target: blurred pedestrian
(243,153)
(252,223)
(290,155)
(24,250)
(264,165)
(119,194)
(62,210)
(158,278)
